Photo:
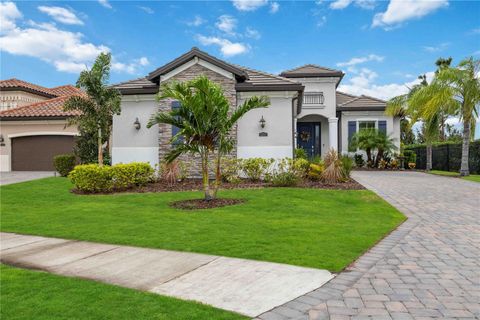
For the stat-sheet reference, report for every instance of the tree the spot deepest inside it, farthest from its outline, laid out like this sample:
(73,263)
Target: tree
(99,104)
(205,121)
(459,88)
(374,143)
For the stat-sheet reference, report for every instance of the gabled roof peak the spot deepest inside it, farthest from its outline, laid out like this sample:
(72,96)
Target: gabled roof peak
(311,70)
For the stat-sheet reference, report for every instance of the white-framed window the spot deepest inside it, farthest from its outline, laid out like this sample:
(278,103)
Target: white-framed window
(313,98)
(367,125)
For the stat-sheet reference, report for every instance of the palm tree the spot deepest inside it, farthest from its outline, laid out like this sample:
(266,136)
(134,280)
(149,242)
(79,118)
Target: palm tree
(99,104)
(371,141)
(458,88)
(205,122)
(384,144)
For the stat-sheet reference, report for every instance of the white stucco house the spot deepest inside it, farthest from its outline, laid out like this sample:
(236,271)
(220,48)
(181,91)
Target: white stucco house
(306,110)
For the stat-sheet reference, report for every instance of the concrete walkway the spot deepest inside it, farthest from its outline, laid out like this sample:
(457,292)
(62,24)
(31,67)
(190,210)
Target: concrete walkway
(244,286)
(21,176)
(429,268)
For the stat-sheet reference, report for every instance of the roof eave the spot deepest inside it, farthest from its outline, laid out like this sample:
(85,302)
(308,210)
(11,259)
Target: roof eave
(32,118)
(360,108)
(29,90)
(132,91)
(312,75)
(247,87)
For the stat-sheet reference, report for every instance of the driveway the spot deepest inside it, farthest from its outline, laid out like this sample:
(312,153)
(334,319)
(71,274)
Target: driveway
(21,176)
(428,268)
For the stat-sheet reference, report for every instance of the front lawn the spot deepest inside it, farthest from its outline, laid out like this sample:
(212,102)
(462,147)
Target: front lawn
(472,177)
(325,229)
(37,295)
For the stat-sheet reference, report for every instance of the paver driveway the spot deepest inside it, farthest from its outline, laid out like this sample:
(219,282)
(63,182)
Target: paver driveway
(428,268)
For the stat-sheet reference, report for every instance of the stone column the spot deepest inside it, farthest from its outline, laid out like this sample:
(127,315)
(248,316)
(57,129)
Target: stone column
(333,133)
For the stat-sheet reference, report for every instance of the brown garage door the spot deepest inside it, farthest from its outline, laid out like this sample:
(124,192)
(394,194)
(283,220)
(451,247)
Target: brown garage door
(35,153)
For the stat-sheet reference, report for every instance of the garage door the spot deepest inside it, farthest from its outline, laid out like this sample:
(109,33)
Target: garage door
(35,153)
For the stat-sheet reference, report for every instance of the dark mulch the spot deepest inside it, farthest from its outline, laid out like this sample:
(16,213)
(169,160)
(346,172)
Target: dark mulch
(194,204)
(196,185)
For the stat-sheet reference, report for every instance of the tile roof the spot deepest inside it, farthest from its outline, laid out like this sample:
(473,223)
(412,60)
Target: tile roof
(343,97)
(48,108)
(140,85)
(311,70)
(259,79)
(363,103)
(66,90)
(12,84)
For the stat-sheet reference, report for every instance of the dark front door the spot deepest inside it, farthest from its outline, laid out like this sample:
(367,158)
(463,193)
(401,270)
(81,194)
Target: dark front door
(308,137)
(35,153)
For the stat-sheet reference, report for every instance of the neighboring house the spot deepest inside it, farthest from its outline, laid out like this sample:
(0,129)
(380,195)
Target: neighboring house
(33,125)
(305,111)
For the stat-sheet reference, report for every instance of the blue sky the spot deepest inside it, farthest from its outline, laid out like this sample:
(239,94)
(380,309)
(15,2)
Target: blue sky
(382,46)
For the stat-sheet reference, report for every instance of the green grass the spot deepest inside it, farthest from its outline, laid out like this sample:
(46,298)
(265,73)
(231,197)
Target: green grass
(325,229)
(37,295)
(472,177)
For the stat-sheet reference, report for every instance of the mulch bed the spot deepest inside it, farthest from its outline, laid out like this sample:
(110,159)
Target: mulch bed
(194,204)
(196,185)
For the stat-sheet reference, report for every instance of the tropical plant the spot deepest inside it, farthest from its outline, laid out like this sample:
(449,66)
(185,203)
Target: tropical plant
(459,88)
(99,104)
(300,153)
(204,121)
(365,140)
(359,162)
(333,167)
(347,166)
(384,145)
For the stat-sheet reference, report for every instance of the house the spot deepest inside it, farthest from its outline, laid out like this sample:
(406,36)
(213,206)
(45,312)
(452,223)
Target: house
(306,110)
(33,125)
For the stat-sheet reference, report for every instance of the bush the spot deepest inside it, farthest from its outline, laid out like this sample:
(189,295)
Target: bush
(300,154)
(347,166)
(285,179)
(333,167)
(92,178)
(382,164)
(230,168)
(410,157)
(359,162)
(64,163)
(394,163)
(170,171)
(315,171)
(301,167)
(256,168)
(132,174)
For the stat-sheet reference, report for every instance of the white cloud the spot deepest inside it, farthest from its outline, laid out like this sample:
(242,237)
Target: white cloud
(342,4)
(359,60)
(321,21)
(130,68)
(440,47)
(248,5)
(227,47)
(227,24)
(146,9)
(252,33)
(61,15)
(196,22)
(8,14)
(399,11)
(274,6)
(363,82)
(66,50)
(105,3)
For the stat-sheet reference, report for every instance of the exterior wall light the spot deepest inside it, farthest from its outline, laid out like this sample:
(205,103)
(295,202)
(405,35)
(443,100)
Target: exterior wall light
(262,122)
(2,140)
(137,124)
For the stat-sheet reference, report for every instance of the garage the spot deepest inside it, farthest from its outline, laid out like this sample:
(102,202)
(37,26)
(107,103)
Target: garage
(35,153)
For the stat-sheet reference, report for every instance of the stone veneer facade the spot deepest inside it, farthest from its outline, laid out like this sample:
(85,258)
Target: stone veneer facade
(165,131)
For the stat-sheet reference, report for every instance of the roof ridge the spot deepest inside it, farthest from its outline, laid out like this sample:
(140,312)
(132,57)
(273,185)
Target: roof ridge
(311,65)
(349,101)
(266,73)
(373,98)
(123,82)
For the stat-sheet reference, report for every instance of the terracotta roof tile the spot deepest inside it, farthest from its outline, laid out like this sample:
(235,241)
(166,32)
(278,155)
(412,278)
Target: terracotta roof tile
(15,83)
(48,108)
(310,70)
(66,90)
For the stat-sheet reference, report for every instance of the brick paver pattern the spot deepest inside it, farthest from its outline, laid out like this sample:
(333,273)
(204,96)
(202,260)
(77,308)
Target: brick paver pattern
(427,268)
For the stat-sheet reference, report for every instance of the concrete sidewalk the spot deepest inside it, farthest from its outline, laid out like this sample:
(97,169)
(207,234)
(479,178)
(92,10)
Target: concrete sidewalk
(22,176)
(244,286)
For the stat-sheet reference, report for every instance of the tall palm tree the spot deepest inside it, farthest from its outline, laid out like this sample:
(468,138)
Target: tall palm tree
(99,104)
(459,88)
(205,121)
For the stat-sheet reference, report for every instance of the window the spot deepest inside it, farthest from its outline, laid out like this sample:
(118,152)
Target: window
(366,125)
(313,98)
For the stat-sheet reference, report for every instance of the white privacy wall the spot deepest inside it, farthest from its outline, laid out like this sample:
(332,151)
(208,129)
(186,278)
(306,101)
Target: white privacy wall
(278,116)
(128,143)
(393,124)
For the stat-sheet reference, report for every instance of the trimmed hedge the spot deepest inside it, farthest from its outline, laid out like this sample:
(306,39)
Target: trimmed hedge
(447,156)
(64,163)
(92,178)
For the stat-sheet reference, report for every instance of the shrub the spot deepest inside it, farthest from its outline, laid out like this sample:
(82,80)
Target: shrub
(132,174)
(347,166)
(64,163)
(410,157)
(170,171)
(394,164)
(359,162)
(333,167)
(285,179)
(256,168)
(230,168)
(382,164)
(92,178)
(315,171)
(300,154)
(411,165)
(301,167)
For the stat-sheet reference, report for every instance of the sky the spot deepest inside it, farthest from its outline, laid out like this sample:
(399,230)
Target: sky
(382,46)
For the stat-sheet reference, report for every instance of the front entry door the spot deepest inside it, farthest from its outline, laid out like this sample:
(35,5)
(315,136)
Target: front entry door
(308,138)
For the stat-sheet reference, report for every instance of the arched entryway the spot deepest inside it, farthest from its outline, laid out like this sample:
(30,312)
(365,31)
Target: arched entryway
(312,134)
